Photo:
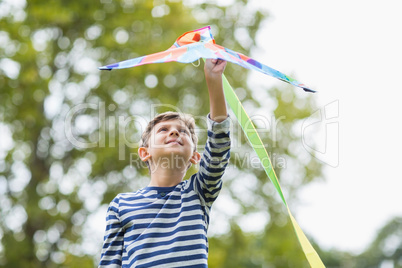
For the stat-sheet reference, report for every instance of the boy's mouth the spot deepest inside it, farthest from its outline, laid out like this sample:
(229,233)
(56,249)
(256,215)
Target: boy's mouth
(176,141)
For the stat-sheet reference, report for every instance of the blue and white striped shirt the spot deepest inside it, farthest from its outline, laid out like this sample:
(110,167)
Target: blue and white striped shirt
(167,226)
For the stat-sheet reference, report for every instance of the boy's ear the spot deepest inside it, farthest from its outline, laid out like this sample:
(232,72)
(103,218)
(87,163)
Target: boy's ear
(143,153)
(195,158)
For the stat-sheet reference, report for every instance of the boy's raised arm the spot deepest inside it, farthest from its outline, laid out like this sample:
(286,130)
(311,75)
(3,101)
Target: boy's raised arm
(213,69)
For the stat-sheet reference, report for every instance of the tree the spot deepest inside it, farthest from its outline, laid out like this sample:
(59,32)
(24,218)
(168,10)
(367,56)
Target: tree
(70,132)
(386,248)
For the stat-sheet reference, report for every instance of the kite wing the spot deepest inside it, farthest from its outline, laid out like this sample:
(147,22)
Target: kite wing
(200,43)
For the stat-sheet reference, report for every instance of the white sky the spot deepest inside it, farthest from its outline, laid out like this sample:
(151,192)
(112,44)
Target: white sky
(351,52)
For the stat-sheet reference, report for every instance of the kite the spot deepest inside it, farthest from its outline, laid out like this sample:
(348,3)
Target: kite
(200,43)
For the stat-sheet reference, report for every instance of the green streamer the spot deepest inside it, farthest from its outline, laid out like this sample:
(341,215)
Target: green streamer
(252,135)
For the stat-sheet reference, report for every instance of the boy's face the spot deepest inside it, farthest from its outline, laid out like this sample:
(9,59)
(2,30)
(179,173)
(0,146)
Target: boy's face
(171,138)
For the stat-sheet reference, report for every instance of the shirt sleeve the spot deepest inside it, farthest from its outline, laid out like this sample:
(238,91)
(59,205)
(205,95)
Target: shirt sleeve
(207,181)
(113,243)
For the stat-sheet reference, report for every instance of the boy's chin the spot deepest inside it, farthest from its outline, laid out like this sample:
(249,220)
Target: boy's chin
(172,161)
(176,150)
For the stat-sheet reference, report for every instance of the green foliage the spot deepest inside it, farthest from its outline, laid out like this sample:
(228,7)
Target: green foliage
(276,246)
(386,249)
(71,132)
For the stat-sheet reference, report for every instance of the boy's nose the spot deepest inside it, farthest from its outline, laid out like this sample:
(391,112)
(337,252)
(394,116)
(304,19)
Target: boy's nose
(174,132)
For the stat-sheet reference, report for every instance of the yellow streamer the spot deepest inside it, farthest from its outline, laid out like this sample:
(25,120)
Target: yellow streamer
(255,140)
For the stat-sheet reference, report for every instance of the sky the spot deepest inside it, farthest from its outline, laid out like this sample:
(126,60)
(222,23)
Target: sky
(351,53)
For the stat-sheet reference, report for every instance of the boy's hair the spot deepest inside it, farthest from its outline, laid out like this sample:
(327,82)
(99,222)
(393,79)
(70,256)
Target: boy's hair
(187,119)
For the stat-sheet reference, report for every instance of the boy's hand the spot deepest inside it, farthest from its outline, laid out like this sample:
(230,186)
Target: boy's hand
(214,68)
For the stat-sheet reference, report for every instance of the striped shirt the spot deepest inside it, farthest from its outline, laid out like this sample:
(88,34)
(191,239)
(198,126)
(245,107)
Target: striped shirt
(167,226)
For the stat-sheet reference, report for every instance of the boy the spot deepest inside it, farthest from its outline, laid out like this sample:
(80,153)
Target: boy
(165,224)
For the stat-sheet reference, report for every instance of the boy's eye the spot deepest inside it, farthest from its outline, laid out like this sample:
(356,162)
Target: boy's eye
(162,129)
(184,131)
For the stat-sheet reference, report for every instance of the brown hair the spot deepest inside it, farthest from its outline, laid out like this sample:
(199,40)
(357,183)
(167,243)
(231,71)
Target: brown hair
(187,119)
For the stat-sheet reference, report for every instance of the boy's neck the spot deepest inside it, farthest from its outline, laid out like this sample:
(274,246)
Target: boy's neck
(164,177)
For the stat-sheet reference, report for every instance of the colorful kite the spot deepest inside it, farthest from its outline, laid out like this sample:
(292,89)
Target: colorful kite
(200,43)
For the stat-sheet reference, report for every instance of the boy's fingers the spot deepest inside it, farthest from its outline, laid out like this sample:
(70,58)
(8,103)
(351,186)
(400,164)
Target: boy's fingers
(221,64)
(215,64)
(214,61)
